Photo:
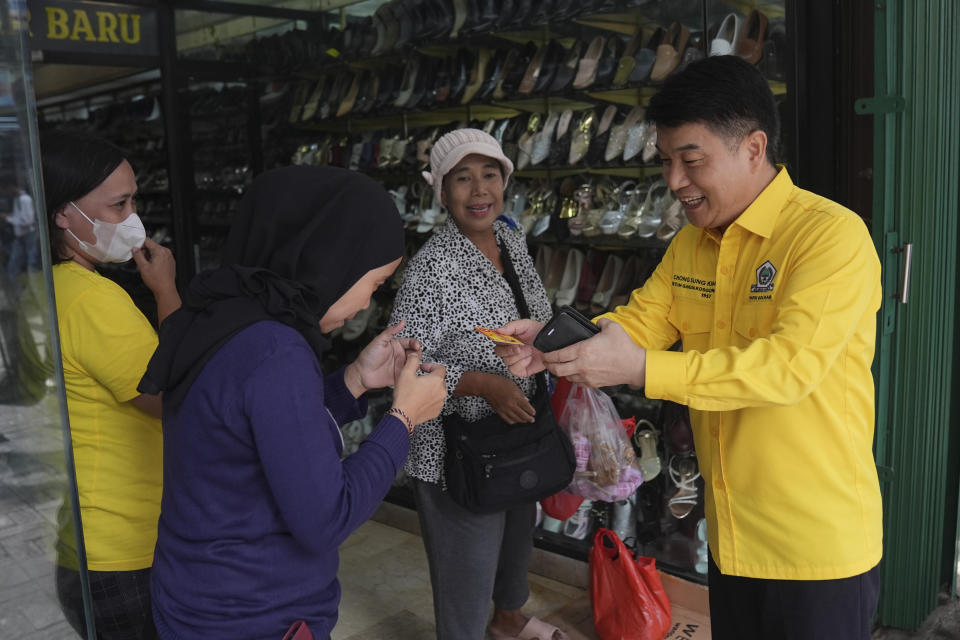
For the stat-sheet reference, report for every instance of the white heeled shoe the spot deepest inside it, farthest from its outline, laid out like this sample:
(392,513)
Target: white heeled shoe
(567,290)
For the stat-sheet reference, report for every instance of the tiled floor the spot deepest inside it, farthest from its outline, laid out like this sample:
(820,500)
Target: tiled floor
(32,484)
(386,591)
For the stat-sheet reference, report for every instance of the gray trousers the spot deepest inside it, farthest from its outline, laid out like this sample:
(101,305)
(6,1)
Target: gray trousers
(473,558)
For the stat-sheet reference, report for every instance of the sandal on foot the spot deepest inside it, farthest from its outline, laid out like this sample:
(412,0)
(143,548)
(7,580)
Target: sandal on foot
(535,629)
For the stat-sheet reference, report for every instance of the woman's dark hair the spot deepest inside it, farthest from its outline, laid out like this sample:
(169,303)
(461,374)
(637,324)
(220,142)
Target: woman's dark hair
(74,164)
(726,94)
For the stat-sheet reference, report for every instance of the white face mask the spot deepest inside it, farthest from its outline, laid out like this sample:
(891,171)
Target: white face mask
(115,240)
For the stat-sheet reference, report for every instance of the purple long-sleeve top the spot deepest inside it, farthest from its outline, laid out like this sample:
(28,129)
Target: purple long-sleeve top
(256,498)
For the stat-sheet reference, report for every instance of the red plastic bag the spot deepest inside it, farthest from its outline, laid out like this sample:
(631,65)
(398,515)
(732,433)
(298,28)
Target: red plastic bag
(561,505)
(628,599)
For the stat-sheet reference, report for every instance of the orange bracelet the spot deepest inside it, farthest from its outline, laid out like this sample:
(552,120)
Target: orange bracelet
(403,418)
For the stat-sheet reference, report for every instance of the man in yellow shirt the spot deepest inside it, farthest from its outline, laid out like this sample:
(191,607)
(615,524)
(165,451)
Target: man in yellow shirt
(773,292)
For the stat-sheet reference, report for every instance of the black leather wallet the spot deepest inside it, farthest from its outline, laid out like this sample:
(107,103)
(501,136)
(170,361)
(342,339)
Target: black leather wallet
(567,327)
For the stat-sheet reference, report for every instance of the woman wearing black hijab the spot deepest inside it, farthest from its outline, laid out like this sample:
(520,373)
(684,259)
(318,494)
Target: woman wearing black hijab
(256,498)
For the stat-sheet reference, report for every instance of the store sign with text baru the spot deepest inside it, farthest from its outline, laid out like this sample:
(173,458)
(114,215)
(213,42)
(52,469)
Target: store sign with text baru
(92,27)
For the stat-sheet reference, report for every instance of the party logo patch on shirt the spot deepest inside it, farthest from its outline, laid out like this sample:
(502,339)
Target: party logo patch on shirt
(765,274)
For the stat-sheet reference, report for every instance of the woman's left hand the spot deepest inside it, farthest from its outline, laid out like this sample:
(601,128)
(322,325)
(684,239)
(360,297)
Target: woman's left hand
(380,362)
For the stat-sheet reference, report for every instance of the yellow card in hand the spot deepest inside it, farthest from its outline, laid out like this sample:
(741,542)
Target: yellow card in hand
(496,336)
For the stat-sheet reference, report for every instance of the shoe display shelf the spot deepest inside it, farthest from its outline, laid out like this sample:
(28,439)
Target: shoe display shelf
(225,147)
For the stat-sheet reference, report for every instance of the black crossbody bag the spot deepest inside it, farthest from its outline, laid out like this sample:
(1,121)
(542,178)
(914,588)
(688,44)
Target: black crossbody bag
(493,466)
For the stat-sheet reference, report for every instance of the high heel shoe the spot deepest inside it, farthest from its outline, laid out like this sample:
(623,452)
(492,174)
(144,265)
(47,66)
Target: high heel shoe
(608,282)
(750,47)
(542,262)
(349,100)
(409,83)
(557,264)
(587,69)
(424,145)
(607,65)
(645,441)
(463,63)
(618,134)
(313,100)
(589,277)
(674,218)
(692,53)
(642,216)
(635,138)
(646,57)
(518,70)
(583,202)
(459,17)
(477,76)
(580,143)
(532,73)
(624,288)
(567,70)
(526,141)
(562,139)
(627,60)
(683,474)
(567,290)
(496,75)
(509,62)
(598,144)
(728,35)
(669,52)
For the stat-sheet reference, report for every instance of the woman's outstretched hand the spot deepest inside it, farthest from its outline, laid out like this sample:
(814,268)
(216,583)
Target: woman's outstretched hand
(523,360)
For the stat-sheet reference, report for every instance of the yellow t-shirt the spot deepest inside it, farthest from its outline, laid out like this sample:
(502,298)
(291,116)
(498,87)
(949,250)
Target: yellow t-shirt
(778,320)
(106,344)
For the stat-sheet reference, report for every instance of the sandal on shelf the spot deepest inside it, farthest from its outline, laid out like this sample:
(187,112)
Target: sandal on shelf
(548,202)
(535,629)
(684,473)
(582,201)
(645,440)
(674,218)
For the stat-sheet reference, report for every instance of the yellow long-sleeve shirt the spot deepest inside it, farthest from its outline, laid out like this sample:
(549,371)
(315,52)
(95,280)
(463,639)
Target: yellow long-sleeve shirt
(777,317)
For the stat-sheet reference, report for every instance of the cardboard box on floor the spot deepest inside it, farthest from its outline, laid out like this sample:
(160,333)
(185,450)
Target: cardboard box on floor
(689,607)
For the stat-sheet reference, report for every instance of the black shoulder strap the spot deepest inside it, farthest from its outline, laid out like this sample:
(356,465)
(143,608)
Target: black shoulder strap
(514,281)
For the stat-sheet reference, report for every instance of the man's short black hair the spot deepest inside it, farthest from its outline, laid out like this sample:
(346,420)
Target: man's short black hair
(726,94)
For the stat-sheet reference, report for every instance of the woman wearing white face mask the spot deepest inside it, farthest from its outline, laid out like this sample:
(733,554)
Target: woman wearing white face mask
(106,343)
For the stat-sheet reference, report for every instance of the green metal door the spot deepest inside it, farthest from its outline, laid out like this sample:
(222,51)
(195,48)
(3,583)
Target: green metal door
(917,163)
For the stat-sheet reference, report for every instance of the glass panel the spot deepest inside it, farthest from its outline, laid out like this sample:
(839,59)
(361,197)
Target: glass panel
(38,499)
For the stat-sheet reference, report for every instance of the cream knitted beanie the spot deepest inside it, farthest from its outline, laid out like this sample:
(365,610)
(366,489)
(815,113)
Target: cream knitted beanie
(454,147)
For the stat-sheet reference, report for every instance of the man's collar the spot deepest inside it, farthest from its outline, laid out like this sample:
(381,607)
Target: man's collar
(760,217)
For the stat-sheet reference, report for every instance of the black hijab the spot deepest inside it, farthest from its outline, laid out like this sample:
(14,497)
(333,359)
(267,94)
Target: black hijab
(303,236)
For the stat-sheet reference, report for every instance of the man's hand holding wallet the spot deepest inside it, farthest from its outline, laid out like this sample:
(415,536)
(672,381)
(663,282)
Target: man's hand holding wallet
(570,345)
